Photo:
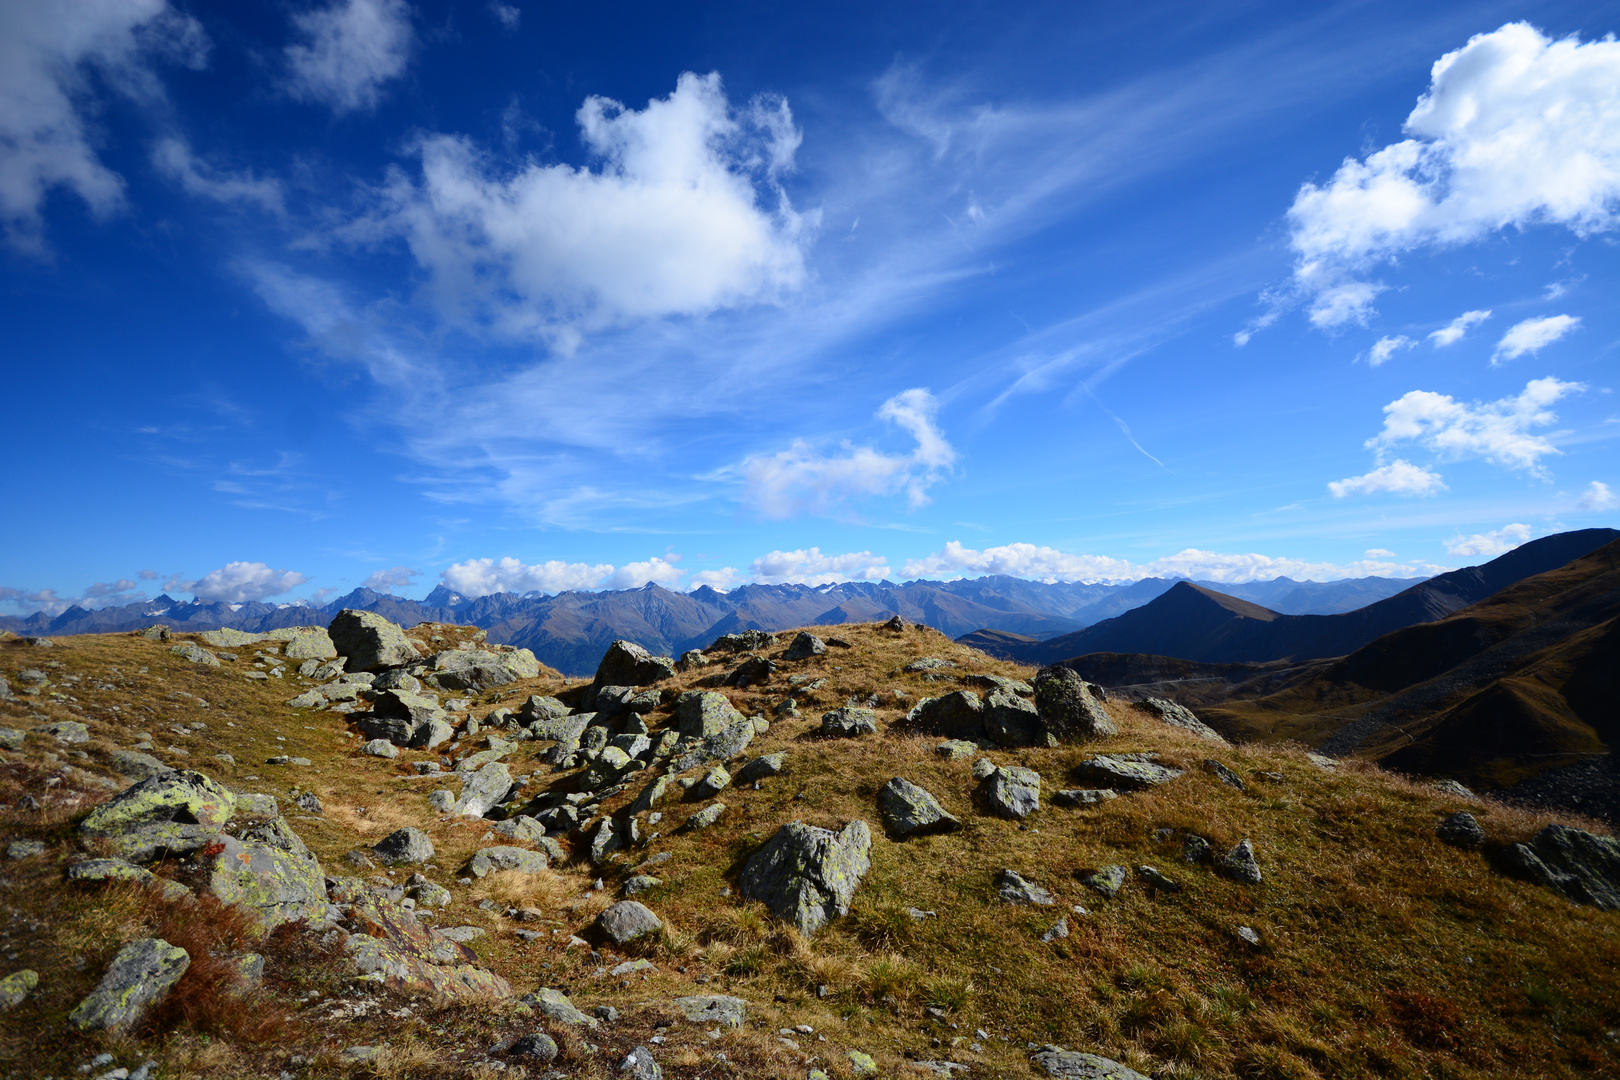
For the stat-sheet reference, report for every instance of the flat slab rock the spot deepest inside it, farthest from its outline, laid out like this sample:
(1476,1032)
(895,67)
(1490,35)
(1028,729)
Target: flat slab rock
(909,810)
(142,974)
(1074,1065)
(1106,771)
(713,1009)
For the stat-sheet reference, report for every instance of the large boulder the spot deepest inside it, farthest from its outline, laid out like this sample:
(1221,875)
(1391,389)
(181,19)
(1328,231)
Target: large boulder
(958,715)
(807,875)
(701,713)
(723,745)
(1010,720)
(140,976)
(483,790)
(229,639)
(628,664)
(370,641)
(909,810)
(804,646)
(1070,706)
(174,812)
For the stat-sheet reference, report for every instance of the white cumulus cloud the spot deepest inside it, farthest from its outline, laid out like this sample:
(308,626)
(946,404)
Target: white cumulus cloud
(239,582)
(1397,478)
(1515,129)
(1454,331)
(349,50)
(802,479)
(1386,347)
(1050,564)
(1380,553)
(1493,543)
(479,577)
(1532,335)
(724,579)
(670,223)
(808,566)
(1498,431)
(1597,496)
(46,50)
(391,580)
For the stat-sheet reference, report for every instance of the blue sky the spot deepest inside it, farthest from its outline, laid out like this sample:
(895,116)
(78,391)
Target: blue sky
(520,296)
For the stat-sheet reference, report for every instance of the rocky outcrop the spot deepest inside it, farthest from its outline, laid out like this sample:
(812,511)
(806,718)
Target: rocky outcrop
(701,713)
(386,943)
(370,641)
(807,875)
(175,812)
(271,873)
(958,715)
(804,646)
(478,670)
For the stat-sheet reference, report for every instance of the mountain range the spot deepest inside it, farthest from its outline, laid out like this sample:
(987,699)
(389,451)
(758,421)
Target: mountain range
(1191,621)
(570,631)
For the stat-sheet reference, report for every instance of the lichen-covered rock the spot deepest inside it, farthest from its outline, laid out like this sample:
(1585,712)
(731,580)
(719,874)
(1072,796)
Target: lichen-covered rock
(1070,706)
(542,708)
(1177,715)
(537,1046)
(628,664)
(140,976)
(909,810)
(1239,864)
(407,845)
(1107,880)
(139,766)
(710,1009)
(1461,830)
(656,791)
(701,713)
(279,884)
(370,641)
(15,988)
(958,715)
(1012,791)
(389,945)
(706,816)
(848,722)
(563,729)
(1121,774)
(195,653)
(504,857)
(807,875)
(711,784)
(380,748)
(626,921)
(1084,796)
(1061,1064)
(175,812)
(640,1065)
(1224,775)
(721,746)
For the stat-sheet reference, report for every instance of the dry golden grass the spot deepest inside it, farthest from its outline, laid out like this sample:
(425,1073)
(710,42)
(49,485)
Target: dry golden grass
(1385,953)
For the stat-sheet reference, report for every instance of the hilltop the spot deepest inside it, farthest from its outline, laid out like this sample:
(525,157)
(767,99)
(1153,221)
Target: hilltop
(1175,903)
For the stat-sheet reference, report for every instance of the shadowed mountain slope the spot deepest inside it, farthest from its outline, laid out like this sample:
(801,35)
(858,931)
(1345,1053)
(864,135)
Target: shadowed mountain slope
(1191,622)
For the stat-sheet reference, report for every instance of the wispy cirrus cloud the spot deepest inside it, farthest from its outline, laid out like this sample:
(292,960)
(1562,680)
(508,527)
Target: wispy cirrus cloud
(1533,335)
(1050,564)
(347,52)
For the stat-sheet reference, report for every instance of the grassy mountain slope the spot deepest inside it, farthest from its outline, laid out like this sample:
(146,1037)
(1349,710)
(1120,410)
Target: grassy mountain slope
(1506,688)
(1383,952)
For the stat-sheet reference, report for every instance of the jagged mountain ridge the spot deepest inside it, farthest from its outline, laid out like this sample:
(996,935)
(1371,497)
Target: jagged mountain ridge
(570,631)
(1194,622)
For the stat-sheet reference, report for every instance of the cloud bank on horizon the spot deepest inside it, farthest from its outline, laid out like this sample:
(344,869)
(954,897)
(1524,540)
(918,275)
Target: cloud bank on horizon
(587,322)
